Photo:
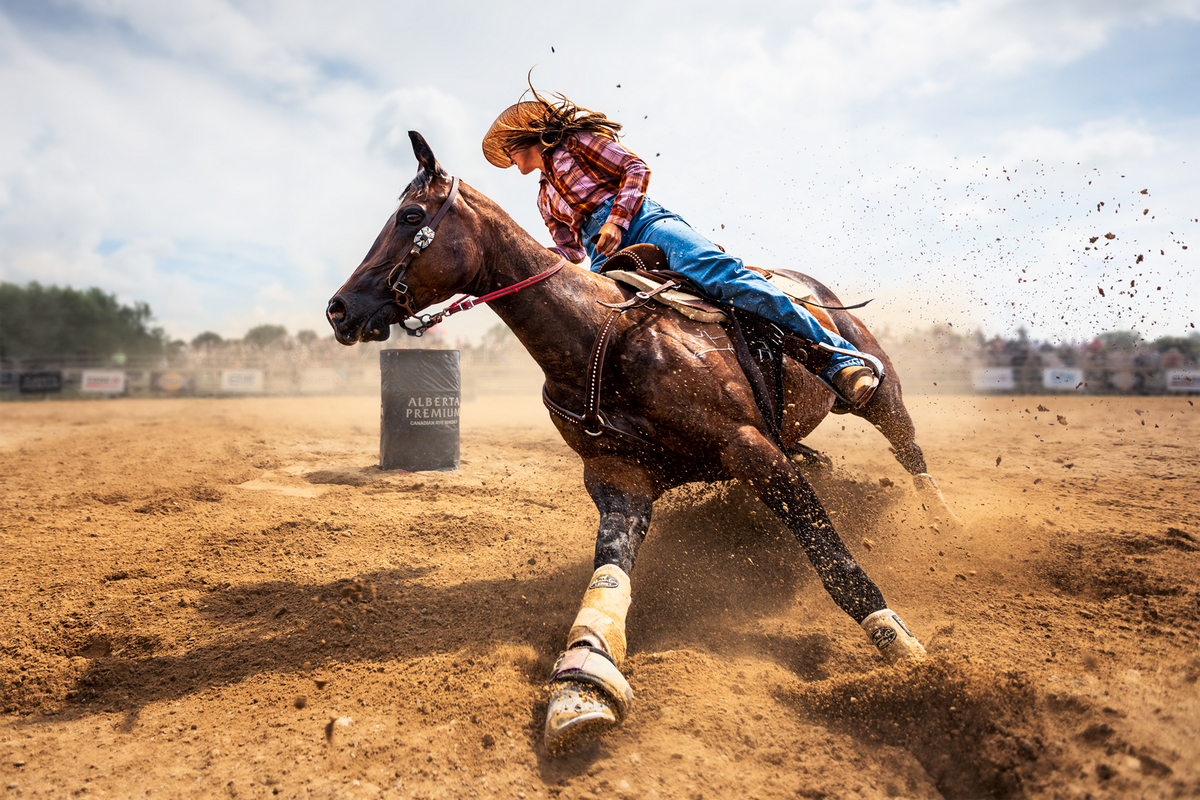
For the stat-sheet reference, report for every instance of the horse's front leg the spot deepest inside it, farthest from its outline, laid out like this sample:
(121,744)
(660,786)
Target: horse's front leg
(754,460)
(588,693)
(887,413)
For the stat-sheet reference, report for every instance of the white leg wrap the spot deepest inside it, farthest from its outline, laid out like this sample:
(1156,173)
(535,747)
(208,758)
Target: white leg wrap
(601,618)
(891,637)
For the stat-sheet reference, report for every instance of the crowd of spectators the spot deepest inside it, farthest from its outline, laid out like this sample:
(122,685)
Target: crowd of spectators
(1114,362)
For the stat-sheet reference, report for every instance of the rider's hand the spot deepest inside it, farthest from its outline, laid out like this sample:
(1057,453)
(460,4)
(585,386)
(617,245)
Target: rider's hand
(609,240)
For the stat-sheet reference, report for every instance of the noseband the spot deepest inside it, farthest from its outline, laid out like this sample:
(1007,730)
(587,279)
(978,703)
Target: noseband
(423,239)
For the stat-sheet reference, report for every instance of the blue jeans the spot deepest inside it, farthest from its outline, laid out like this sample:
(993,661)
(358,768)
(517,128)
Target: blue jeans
(719,274)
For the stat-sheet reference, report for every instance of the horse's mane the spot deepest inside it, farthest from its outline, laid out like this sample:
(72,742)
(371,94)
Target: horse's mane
(419,185)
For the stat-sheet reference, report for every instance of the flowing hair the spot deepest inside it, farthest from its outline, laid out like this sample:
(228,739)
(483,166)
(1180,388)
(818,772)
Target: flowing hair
(559,119)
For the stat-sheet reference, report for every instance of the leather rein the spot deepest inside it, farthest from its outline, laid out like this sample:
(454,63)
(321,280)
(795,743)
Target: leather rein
(416,324)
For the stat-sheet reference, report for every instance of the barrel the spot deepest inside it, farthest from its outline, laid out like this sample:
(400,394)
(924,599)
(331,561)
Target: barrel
(421,392)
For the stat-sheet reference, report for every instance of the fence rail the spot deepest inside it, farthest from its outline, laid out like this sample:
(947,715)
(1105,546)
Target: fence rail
(515,373)
(479,376)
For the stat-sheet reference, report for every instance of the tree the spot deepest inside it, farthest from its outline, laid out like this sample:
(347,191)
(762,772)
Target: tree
(38,320)
(266,335)
(1122,340)
(1188,345)
(306,336)
(207,339)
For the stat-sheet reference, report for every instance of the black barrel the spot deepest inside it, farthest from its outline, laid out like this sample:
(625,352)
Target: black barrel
(419,416)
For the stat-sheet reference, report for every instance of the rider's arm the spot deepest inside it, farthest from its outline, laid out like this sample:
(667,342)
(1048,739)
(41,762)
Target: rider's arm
(566,236)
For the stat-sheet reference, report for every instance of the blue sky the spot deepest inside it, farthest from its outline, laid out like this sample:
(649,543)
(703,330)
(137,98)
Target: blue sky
(230,163)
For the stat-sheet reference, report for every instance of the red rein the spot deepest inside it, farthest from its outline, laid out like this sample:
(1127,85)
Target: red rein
(427,321)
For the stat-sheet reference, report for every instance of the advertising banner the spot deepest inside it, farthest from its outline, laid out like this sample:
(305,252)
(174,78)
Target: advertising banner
(994,379)
(1062,378)
(171,382)
(1123,381)
(1183,380)
(103,381)
(242,381)
(40,382)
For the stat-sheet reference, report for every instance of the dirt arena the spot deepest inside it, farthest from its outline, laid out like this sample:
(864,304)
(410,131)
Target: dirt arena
(227,598)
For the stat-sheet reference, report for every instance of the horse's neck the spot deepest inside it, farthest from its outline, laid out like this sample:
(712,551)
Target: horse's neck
(556,319)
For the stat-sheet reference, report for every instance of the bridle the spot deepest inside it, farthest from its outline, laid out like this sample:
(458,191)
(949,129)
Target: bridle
(416,324)
(423,239)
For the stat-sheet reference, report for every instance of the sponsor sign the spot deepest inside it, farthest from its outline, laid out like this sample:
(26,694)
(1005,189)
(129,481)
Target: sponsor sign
(1183,380)
(1123,381)
(40,382)
(994,379)
(103,381)
(432,409)
(1059,378)
(171,382)
(245,381)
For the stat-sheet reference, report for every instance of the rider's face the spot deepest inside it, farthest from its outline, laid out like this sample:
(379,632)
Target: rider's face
(527,159)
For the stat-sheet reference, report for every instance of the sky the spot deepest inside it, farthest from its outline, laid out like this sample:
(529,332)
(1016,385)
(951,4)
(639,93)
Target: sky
(230,163)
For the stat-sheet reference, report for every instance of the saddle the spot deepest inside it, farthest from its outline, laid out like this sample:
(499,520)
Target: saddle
(643,267)
(759,344)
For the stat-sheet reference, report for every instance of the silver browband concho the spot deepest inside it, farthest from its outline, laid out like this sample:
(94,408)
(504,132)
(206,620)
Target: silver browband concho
(424,237)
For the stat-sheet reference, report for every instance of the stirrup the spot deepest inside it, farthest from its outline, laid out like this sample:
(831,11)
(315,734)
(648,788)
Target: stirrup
(872,363)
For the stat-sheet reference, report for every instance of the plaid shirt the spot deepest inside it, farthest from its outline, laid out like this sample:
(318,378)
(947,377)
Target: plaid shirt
(579,175)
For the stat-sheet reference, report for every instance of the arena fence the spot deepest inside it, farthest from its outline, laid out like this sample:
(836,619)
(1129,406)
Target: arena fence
(478,378)
(1068,380)
(513,373)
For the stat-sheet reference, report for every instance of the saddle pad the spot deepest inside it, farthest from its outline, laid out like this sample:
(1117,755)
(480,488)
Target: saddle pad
(689,305)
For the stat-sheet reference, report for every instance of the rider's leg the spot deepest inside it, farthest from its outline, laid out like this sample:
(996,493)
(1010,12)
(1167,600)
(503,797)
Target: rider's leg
(720,274)
(726,278)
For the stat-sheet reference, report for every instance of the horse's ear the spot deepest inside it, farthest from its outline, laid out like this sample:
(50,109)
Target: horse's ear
(424,154)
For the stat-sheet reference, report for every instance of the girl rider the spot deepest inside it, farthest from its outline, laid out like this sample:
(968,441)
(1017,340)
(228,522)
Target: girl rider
(592,195)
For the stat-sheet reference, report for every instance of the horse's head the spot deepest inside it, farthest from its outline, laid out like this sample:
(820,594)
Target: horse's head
(407,269)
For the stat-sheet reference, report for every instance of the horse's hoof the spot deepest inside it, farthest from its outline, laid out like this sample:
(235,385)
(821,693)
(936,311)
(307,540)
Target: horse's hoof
(892,638)
(578,713)
(588,696)
(806,458)
(928,489)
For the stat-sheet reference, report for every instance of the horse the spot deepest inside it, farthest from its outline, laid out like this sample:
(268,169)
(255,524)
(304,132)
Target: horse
(676,407)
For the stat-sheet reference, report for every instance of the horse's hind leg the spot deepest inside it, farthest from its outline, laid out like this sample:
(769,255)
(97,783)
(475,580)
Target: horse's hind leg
(588,693)
(751,458)
(887,413)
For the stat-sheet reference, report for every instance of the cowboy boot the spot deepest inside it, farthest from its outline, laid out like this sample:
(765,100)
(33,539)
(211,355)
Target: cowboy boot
(856,385)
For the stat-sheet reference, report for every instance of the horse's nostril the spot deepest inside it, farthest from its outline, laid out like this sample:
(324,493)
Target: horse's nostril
(336,310)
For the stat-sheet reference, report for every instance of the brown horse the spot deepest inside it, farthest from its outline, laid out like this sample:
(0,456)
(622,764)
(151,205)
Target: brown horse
(676,406)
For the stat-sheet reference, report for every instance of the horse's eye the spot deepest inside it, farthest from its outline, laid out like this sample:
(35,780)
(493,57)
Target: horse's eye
(413,217)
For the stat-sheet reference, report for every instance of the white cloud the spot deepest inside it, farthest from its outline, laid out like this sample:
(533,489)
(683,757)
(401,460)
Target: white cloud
(230,163)
(440,117)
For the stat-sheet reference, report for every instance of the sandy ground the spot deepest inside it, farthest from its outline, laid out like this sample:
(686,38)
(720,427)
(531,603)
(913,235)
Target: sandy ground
(226,598)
